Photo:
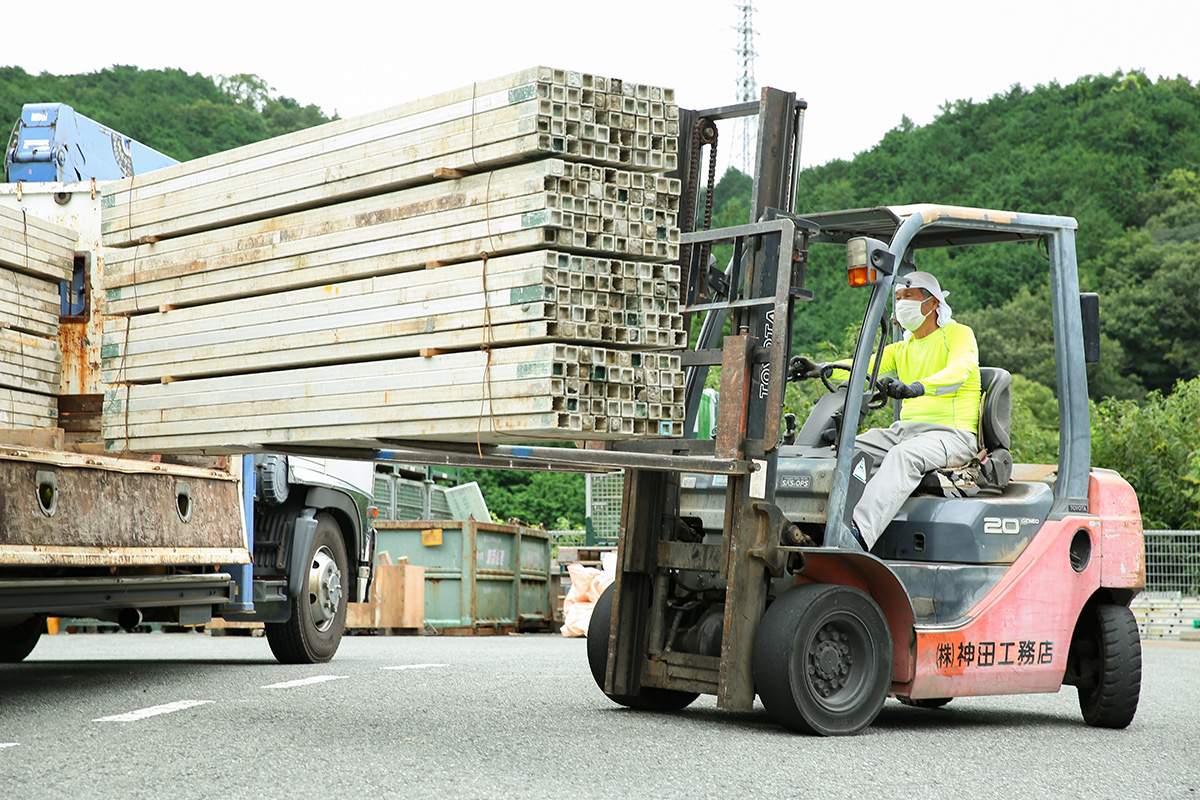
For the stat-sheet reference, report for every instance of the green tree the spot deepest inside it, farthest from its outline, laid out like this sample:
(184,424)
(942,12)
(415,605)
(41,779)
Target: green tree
(182,115)
(1155,445)
(534,498)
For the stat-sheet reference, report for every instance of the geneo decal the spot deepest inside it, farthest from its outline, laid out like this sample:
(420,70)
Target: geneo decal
(1007,525)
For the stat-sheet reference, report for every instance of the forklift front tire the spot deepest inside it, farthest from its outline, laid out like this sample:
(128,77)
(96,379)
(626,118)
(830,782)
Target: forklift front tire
(651,698)
(823,659)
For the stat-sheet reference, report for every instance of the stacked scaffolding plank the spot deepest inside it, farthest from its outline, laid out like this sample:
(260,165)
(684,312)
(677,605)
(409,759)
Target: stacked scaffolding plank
(34,256)
(527,115)
(350,282)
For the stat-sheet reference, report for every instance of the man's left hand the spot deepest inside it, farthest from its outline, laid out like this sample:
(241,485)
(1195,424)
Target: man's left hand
(899,389)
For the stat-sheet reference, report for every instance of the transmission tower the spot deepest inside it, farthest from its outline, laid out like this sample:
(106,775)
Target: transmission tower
(747,86)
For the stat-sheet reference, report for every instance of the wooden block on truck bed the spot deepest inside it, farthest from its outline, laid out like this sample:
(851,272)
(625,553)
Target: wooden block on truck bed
(39,438)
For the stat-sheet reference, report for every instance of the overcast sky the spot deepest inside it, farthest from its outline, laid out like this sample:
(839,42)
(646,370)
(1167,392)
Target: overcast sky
(860,64)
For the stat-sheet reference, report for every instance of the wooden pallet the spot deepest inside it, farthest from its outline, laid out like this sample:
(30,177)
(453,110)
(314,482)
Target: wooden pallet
(520,299)
(526,115)
(219,626)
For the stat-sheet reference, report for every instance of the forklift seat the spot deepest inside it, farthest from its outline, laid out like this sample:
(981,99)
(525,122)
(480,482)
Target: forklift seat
(992,466)
(995,413)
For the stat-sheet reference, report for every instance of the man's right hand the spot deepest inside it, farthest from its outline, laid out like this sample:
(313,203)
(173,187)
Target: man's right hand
(802,367)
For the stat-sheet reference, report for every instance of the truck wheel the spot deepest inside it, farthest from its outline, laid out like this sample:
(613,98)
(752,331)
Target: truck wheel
(317,617)
(18,641)
(651,698)
(823,659)
(1111,668)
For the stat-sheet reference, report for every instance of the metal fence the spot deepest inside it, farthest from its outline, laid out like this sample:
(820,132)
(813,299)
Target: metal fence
(604,504)
(1173,562)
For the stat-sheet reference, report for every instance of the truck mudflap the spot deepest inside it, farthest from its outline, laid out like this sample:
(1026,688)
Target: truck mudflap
(1018,636)
(67,509)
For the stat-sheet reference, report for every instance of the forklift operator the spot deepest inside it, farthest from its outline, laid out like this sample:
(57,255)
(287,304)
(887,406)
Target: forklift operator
(937,375)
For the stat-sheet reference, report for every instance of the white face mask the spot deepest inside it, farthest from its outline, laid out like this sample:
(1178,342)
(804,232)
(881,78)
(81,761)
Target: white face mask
(908,314)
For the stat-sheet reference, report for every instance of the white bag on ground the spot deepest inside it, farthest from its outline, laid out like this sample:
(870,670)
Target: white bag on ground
(587,584)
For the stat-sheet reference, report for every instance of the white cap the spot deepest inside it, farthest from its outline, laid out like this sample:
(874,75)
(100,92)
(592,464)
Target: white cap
(926,281)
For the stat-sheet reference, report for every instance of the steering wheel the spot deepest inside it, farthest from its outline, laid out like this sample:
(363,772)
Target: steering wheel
(875,398)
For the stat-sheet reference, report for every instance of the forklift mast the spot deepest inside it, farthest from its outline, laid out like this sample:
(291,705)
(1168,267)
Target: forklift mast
(764,279)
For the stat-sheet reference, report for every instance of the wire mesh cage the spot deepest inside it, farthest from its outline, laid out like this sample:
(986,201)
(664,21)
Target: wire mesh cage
(604,505)
(1173,562)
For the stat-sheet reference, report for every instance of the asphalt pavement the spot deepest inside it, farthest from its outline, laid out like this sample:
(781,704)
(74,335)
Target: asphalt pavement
(192,716)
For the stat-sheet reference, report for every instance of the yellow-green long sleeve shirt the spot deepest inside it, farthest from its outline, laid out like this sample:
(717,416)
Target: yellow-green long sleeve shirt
(946,363)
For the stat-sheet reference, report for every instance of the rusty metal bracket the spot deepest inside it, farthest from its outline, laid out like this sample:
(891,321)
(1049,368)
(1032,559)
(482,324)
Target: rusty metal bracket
(774,530)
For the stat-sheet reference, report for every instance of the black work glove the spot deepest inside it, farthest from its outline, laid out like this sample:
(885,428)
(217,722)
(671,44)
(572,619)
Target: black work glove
(899,389)
(803,367)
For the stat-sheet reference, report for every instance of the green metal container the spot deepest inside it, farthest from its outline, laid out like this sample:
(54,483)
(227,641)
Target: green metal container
(479,576)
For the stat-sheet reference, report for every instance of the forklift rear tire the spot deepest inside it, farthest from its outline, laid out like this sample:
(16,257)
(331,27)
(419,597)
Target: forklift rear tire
(651,698)
(317,617)
(18,641)
(823,659)
(1110,698)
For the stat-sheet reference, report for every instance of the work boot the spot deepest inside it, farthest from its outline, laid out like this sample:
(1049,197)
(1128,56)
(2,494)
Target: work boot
(858,537)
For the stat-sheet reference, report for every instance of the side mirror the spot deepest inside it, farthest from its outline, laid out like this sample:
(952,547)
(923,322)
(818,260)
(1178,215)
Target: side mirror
(1089,308)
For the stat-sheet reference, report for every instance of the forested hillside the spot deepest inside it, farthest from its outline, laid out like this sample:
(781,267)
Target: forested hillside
(184,116)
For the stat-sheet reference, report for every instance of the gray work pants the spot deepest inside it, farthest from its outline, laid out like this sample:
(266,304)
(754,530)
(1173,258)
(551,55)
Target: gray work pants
(903,453)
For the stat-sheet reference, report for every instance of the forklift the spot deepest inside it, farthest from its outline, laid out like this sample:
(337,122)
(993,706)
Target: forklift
(737,573)
(1012,579)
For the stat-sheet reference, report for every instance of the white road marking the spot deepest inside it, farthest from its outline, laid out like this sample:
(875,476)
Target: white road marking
(416,666)
(10,744)
(152,711)
(306,681)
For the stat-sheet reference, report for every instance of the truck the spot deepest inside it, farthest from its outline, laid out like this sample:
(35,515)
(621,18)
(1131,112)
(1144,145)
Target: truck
(130,539)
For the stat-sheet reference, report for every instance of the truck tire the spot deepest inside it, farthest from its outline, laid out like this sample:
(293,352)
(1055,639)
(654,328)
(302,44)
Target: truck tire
(651,698)
(18,641)
(1112,668)
(317,617)
(823,659)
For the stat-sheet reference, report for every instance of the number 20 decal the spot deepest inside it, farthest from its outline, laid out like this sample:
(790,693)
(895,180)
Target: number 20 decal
(1005,525)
